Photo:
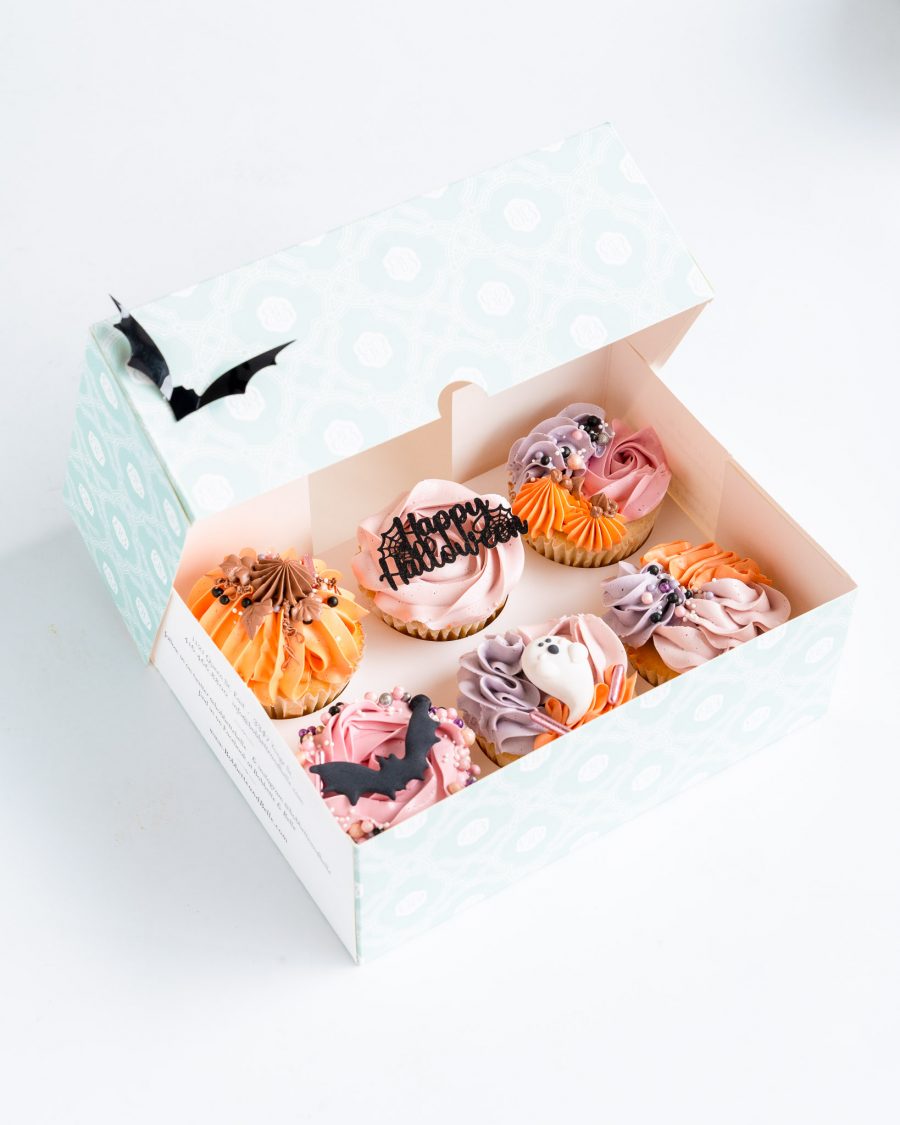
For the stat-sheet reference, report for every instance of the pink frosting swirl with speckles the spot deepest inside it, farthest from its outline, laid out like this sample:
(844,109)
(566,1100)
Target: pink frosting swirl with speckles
(360,731)
(724,613)
(465,591)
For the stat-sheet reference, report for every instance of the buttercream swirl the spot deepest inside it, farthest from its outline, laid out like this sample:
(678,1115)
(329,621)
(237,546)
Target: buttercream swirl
(688,626)
(308,641)
(544,503)
(639,602)
(726,613)
(593,524)
(462,592)
(692,566)
(495,696)
(565,442)
(358,732)
(631,470)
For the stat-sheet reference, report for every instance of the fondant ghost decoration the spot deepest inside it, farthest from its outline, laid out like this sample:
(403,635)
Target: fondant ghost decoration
(561,668)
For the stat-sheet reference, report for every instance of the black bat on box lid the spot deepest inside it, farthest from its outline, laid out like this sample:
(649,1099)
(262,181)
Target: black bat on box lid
(149,360)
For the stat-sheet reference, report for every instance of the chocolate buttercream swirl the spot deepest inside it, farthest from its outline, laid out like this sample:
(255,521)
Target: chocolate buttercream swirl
(281,581)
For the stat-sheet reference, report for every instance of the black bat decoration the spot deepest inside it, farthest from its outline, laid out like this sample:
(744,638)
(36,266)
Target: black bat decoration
(351,780)
(149,360)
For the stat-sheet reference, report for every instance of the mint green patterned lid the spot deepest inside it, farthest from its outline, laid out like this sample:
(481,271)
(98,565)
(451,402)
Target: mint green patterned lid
(491,280)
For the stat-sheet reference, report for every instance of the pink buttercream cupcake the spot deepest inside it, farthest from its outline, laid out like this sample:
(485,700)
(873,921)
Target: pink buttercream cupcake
(440,561)
(384,759)
(589,489)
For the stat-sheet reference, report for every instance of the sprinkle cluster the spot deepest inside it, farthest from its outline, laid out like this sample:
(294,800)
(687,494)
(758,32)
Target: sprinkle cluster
(257,585)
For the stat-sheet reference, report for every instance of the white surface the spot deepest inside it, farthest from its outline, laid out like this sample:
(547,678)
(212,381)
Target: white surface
(736,957)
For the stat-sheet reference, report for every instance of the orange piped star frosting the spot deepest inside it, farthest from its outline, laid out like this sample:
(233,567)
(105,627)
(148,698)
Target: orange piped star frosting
(589,527)
(544,503)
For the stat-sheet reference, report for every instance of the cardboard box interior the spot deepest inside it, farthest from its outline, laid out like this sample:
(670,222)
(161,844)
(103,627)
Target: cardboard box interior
(710,497)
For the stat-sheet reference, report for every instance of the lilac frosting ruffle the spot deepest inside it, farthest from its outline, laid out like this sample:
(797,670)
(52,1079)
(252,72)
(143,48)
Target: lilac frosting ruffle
(495,698)
(632,619)
(548,439)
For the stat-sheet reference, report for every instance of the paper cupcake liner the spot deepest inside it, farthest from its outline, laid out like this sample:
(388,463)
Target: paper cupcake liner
(491,751)
(425,632)
(649,665)
(306,704)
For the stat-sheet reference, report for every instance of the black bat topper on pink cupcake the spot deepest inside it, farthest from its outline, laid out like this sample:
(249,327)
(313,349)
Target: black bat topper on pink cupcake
(149,360)
(352,780)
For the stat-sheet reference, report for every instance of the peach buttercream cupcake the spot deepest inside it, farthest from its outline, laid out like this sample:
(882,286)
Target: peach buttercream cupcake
(439,562)
(288,628)
(589,490)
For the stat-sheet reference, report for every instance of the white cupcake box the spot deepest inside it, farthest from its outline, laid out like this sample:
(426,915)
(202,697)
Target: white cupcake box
(424,340)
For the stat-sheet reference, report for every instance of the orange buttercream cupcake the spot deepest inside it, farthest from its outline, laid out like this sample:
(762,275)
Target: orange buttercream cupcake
(288,629)
(567,527)
(692,566)
(615,477)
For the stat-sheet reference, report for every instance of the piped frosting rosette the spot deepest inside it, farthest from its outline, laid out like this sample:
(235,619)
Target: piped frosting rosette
(590,490)
(381,760)
(439,562)
(522,689)
(706,602)
(287,627)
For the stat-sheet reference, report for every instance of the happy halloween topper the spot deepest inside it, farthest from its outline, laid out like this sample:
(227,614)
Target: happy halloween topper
(419,544)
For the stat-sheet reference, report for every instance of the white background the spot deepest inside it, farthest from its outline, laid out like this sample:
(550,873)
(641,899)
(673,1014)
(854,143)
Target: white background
(732,957)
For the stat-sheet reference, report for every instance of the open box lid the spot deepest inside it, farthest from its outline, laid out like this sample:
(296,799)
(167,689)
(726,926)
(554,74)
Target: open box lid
(492,280)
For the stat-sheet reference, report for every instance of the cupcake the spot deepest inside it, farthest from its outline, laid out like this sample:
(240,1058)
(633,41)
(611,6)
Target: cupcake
(522,689)
(384,759)
(589,490)
(439,562)
(686,605)
(288,629)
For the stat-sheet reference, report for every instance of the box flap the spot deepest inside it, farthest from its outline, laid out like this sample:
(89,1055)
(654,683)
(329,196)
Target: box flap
(491,280)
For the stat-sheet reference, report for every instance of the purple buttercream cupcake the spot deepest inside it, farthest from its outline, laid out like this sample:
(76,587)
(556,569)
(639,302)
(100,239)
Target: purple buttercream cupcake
(668,628)
(516,690)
